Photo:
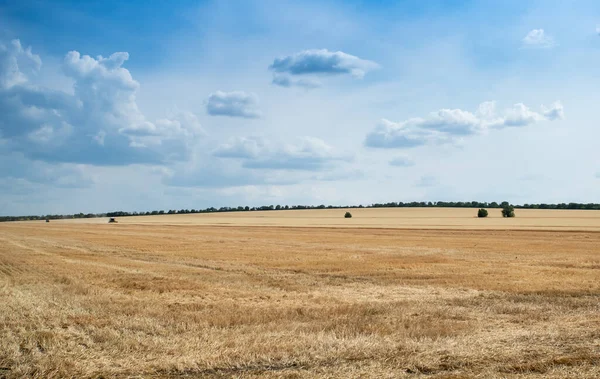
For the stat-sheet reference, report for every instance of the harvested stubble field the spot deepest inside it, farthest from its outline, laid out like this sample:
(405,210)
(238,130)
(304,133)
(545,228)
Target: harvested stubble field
(413,218)
(145,299)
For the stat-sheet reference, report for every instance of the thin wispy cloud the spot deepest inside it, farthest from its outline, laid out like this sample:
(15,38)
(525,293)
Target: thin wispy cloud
(427,181)
(402,161)
(288,81)
(538,38)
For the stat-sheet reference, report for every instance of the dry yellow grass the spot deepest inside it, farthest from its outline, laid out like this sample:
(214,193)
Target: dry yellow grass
(152,300)
(414,218)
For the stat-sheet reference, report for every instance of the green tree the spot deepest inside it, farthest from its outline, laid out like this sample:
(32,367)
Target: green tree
(482,213)
(348,215)
(508,211)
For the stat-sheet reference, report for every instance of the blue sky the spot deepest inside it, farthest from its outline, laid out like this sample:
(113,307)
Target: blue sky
(155,105)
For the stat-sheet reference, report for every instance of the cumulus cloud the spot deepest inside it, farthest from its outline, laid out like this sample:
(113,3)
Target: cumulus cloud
(306,153)
(14,60)
(288,81)
(207,172)
(175,136)
(407,134)
(99,123)
(446,125)
(554,112)
(233,104)
(323,62)
(241,147)
(402,161)
(258,161)
(538,38)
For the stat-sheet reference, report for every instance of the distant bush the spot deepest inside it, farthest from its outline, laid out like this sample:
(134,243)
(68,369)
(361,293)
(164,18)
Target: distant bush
(348,215)
(508,211)
(482,213)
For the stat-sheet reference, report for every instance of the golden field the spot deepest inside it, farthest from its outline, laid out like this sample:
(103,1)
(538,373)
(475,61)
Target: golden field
(389,293)
(413,218)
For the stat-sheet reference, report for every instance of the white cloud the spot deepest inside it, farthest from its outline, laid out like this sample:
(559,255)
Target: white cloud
(176,136)
(446,125)
(14,59)
(255,161)
(452,121)
(520,115)
(402,161)
(598,29)
(288,81)
(322,62)
(405,134)
(241,147)
(44,135)
(233,104)
(538,38)
(106,92)
(100,123)
(555,112)
(306,153)
(15,168)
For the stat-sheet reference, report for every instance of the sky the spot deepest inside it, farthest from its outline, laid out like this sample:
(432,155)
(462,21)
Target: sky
(140,106)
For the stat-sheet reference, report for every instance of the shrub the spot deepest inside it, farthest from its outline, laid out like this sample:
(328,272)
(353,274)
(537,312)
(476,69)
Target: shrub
(482,213)
(508,211)
(348,215)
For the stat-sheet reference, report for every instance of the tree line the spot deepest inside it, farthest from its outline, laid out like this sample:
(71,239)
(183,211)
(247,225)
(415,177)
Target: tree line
(414,204)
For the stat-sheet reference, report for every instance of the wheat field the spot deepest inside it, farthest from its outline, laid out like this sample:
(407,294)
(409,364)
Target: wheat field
(403,218)
(428,293)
